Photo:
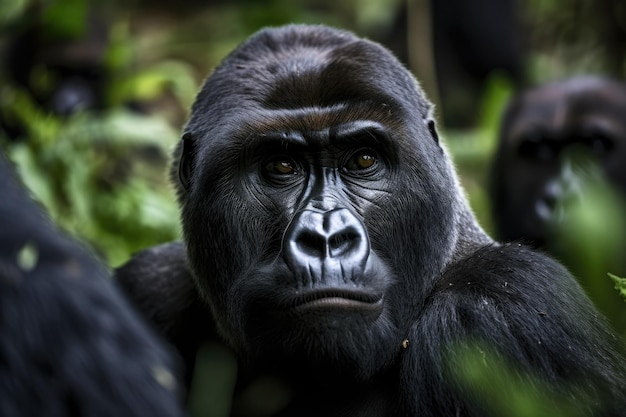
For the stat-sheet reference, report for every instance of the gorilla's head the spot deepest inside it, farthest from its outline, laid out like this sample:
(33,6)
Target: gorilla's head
(318,205)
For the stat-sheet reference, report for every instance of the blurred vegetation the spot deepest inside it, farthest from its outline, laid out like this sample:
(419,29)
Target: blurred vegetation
(102,173)
(620,284)
(98,178)
(479,369)
(590,240)
(574,36)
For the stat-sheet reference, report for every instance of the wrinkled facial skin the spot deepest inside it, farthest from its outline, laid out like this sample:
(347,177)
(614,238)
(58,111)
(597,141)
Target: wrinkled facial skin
(307,165)
(550,141)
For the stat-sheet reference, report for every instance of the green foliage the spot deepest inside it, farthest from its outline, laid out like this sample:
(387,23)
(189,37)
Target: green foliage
(78,187)
(101,177)
(590,236)
(620,285)
(65,18)
(472,149)
(505,391)
(10,10)
(585,231)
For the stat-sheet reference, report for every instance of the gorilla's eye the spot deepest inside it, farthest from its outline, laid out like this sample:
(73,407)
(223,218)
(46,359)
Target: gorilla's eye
(538,148)
(280,166)
(598,143)
(361,160)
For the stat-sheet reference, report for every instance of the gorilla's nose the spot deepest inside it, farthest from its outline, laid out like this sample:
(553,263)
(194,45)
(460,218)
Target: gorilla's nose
(316,237)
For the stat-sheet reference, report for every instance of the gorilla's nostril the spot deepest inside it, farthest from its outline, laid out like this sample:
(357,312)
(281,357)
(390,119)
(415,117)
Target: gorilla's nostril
(311,243)
(341,243)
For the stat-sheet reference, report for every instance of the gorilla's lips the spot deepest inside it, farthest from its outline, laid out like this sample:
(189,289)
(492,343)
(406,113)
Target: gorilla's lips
(337,298)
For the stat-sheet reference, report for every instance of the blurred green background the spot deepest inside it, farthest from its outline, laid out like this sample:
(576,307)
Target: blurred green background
(102,171)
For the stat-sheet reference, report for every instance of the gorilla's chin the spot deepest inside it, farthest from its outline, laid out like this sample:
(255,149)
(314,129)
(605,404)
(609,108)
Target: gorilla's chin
(331,334)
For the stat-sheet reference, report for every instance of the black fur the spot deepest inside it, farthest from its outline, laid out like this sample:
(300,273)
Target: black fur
(69,344)
(336,253)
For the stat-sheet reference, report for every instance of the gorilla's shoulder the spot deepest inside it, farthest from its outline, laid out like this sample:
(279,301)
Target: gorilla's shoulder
(159,258)
(509,269)
(520,288)
(496,257)
(159,267)
(159,281)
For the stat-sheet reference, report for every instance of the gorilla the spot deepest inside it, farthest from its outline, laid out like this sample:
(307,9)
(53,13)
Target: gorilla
(70,345)
(544,129)
(328,244)
(561,154)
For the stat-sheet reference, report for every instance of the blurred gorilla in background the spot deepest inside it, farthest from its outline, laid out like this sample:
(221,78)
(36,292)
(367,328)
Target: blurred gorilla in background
(550,139)
(561,149)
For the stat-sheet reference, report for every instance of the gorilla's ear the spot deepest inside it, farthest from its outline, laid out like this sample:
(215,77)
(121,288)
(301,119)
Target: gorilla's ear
(433,131)
(185,163)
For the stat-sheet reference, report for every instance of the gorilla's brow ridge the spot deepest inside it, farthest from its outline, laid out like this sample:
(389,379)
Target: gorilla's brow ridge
(344,134)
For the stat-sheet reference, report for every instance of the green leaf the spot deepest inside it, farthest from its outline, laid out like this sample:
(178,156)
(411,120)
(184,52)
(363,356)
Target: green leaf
(27,257)
(620,285)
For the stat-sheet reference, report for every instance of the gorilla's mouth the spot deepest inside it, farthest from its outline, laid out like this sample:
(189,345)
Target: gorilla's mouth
(336,298)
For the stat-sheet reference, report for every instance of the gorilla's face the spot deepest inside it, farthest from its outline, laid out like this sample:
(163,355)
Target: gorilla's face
(318,206)
(554,139)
